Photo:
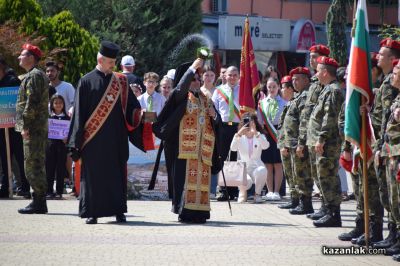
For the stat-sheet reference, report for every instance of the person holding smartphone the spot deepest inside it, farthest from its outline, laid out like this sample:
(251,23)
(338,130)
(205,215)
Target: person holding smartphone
(249,143)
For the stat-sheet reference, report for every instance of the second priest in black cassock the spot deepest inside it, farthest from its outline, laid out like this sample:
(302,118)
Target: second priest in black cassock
(187,125)
(105,111)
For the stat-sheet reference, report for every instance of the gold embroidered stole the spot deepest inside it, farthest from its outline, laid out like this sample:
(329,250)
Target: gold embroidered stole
(103,110)
(196,145)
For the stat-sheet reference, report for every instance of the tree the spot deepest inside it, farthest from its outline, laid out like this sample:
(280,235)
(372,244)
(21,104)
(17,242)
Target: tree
(147,29)
(59,36)
(336,19)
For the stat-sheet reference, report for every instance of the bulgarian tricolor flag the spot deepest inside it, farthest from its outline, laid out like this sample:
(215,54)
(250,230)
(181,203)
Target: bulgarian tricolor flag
(359,84)
(249,80)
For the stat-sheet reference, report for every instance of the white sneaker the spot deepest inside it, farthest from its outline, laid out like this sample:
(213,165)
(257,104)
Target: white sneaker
(258,199)
(269,196)
(276,196)
(242,199)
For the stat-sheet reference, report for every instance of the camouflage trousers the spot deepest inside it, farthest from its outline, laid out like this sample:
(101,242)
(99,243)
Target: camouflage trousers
(288,171)
(380,171)
(34,162)
(313,167)
(301,173)
(392,167)
(374,206)
(327,166)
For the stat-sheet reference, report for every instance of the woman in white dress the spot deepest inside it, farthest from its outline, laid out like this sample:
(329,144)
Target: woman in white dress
(249,143)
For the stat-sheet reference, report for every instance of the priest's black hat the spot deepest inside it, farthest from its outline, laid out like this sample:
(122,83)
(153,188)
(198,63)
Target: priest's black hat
(180,71)
(109,49)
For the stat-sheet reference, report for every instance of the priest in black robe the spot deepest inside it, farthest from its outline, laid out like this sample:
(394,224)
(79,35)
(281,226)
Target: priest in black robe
(189,171)
(102,119)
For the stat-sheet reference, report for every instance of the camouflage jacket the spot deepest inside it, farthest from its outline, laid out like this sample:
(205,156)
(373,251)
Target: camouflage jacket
(312,99)
(32,102)
(323,124)
(290,128)
(391,146)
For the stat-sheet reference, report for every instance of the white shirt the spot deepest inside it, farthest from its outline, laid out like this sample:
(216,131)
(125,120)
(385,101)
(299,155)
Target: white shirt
(67,91)
(222,106)
(158,101)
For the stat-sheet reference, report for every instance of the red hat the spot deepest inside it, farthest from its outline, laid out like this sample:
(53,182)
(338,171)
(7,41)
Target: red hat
(300,70)
(347,165)
(395,62)
(286,79)
(389,43)
(32,49)
(321,49)
(327,61)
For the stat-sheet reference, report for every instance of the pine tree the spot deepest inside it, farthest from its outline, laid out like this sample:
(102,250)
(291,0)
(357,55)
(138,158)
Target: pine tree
(336,30)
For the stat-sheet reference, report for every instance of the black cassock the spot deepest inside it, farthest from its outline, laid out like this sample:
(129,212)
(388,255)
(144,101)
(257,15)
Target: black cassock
(167,129)
(104,157)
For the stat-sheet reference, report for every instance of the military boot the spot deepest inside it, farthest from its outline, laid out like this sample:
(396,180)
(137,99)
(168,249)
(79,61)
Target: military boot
(331,219)
(395,248)
(38,206)
(375,233)
(355,233)
(319,214)
(293,203)
(305,206)
(390,239)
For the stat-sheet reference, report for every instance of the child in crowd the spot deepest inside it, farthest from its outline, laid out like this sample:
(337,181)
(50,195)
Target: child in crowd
(151,101)
(56,151)
(166,87)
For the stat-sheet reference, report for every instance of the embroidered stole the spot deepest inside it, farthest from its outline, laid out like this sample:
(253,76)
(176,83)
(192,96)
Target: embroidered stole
(196,145)
(118,87)
(268,124)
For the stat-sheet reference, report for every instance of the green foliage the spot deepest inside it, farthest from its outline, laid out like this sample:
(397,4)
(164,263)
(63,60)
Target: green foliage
(79,55)
(64,40)
(28,12)
(147,29)
(388,31)
(336,30)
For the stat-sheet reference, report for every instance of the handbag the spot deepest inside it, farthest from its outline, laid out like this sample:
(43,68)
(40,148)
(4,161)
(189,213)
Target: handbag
(235,173)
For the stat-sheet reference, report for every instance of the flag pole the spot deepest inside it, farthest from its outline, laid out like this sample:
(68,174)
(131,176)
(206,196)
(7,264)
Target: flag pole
(364,154)
(9,173)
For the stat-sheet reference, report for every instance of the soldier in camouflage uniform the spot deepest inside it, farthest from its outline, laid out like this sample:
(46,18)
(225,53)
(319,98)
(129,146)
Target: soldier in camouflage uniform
(286,82)
(290,131)
(31,121)
(380,113)
(312,99)
(392,145)
(322,138)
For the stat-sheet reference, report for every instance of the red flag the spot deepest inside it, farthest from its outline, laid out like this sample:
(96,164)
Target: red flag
(249,80)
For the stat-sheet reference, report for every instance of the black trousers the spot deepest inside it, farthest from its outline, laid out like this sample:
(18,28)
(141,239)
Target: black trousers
(226,135)
(16,150)
(56,157)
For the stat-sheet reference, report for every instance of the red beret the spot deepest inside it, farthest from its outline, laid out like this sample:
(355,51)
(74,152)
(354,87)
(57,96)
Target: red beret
(321,49)
(389,43)
(286,79)
(395,62)
(32,49)
(324,60)
(347,165)
(300,70)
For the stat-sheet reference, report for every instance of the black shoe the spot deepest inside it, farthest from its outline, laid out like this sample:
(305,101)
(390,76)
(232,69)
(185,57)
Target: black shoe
(390,239)
(91,220)
(375,234)
(396,257)
(293,203)
(120,218)
(394,249)
(25,194)
(4,194)
(317,215)
(355,233)
(37,206)
(331,219)
(222,197)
